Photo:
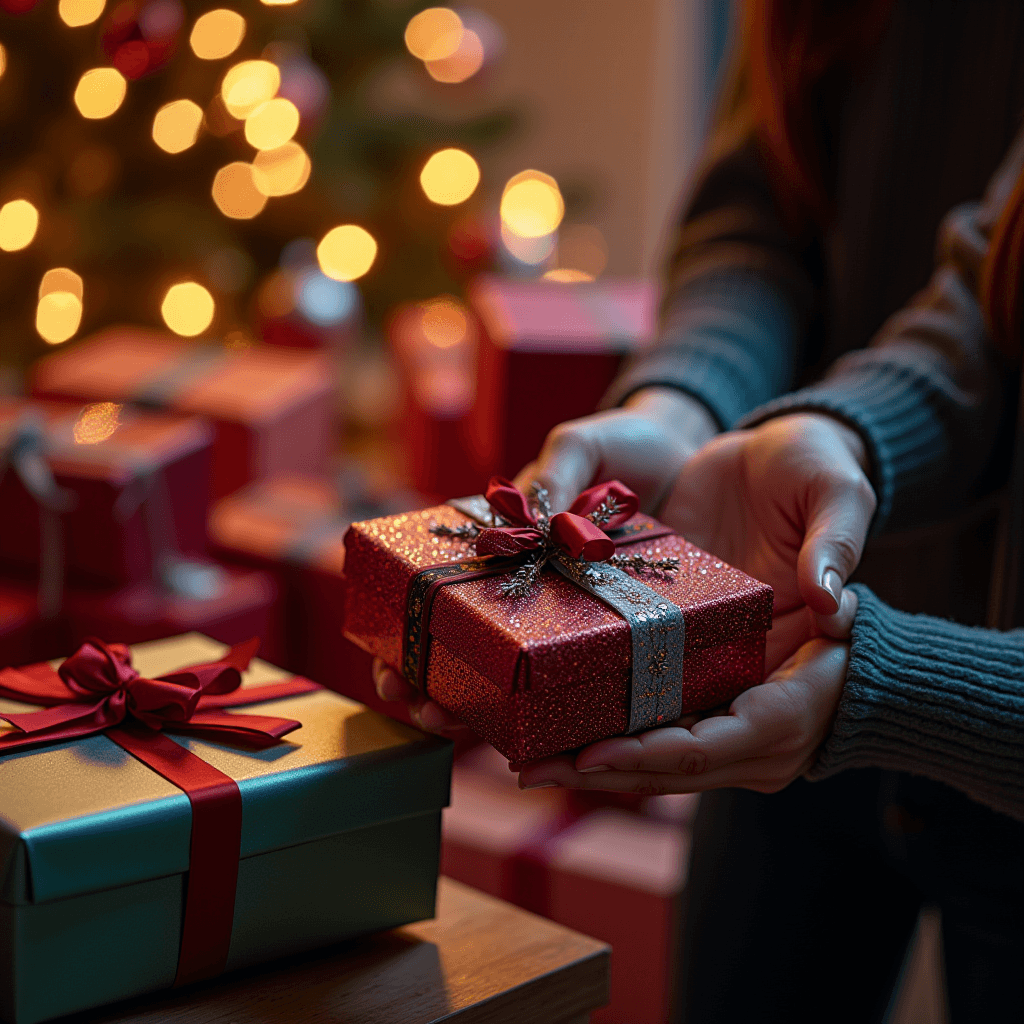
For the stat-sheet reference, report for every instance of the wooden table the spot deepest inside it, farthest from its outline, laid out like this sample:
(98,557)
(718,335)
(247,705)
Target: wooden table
(480,961)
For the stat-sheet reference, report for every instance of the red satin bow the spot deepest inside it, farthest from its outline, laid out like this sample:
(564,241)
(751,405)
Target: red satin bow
(97,688)
(570,531)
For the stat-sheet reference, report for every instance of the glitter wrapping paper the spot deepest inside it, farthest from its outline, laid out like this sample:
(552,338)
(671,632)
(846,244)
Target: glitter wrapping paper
(551,671)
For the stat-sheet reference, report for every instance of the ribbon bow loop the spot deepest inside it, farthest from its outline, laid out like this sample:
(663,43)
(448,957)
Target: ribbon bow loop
(510,503)
(612,502)
(579,532)
(102,689)
(97,667)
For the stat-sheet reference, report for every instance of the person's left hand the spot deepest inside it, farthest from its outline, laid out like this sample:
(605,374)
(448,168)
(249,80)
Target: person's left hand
(769,736)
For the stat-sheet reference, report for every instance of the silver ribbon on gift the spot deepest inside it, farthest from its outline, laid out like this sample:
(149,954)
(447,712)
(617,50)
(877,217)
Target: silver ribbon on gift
(656,626)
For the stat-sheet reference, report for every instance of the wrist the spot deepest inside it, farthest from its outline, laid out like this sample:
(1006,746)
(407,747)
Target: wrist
(680,414)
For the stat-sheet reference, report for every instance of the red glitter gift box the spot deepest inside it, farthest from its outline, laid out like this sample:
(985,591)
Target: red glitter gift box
(554,669)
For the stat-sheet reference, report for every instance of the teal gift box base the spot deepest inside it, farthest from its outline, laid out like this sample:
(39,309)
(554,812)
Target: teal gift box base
(340,837)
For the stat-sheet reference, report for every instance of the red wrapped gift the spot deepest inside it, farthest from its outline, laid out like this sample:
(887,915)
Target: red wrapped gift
(537,336)
(609,873)
(434,344)
(20,625)
(272,408)
(229,605)
(125,489)
(524,626)
(294,527)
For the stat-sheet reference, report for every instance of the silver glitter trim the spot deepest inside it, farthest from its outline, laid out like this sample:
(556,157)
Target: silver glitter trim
(657,631)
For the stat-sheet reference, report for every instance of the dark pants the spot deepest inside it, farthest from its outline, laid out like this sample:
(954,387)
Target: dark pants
(800,904)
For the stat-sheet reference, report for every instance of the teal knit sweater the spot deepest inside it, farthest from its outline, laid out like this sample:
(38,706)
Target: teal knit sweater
(923,149)
(933,698)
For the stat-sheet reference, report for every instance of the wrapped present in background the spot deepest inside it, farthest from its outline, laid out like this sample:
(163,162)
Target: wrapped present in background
(609,872)
(272,408)
(21,626)
(294,527)
(539,660)
(435,347)
(124,490)
(102,855)
(227,604)
(547,353)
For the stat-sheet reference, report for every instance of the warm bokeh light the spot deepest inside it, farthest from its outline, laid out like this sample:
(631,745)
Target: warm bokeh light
(532,251)
(235,192)
(19,220)
(80,12)
(249,84)
(449,177)
(444,321)
(61,279)
(434,34)
(272,124)
(582,247)
(281,171)
(96,422)
(463,64)
(566,275)
(217,34)
(100,92)
(346,252)
(532,204)
(58,316)
(3,59)
(176,125)
(279,3)
(187,308)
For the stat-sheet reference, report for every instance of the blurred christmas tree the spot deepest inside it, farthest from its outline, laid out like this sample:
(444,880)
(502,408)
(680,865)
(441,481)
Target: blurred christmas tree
(159,143)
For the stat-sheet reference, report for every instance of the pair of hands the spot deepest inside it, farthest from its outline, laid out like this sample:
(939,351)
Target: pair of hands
(790,504)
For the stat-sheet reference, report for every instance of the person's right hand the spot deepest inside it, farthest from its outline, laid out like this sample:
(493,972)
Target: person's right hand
(644,444)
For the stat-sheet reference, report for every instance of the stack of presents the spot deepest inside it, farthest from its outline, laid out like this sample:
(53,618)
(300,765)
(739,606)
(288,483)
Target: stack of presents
(180,499)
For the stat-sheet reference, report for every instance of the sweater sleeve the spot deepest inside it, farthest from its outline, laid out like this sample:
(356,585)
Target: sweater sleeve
(739,291)
(928,394)
(934,698)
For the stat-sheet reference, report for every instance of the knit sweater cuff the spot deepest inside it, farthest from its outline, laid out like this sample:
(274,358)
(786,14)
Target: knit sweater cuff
(892,404)
(727,340)
(934,698)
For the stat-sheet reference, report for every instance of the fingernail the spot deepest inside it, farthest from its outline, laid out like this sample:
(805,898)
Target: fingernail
(832,582)
(596,768)
(539,785)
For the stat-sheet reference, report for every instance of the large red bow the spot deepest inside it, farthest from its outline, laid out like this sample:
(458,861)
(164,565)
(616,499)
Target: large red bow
(97,688)
(570,531)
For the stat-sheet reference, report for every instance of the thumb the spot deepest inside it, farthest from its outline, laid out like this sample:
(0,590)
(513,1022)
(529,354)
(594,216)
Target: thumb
(834,541)
(565,466)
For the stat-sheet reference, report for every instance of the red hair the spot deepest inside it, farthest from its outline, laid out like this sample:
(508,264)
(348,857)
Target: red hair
(791,46)
(1000,290)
